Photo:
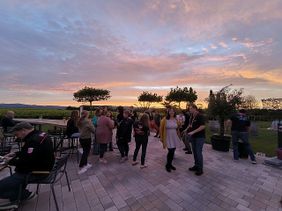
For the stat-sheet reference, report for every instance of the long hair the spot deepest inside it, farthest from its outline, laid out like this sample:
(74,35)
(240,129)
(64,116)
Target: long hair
(167,113)
(84,115)
(145,120)
(74,117)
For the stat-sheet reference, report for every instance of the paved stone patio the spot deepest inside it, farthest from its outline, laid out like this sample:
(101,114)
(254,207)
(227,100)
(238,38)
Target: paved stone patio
(225,184)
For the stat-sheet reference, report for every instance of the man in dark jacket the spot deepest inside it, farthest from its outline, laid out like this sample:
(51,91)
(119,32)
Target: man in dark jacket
(124,131)
(37,154)
(240,130)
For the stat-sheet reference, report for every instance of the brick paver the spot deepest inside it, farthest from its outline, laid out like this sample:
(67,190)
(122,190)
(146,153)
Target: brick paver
(225,184)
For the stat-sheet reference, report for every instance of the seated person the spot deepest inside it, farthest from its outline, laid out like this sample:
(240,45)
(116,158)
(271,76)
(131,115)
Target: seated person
(37,154)
(7,121)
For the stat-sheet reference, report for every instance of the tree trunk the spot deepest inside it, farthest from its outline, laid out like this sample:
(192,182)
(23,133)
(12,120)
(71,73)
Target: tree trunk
(90,108)
(221,127)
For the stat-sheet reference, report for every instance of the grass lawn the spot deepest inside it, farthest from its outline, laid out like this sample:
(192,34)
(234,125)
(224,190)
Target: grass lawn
(265,141)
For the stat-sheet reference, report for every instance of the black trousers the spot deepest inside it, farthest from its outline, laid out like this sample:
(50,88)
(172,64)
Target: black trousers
(170,156)
(103,149)
(123,147)
(140,142)
(86,146)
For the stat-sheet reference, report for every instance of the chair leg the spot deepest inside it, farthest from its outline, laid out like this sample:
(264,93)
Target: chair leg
(68,181)
(54,196)
(37,189)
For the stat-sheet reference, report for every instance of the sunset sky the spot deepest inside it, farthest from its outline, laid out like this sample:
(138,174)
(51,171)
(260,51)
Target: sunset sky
(52,48)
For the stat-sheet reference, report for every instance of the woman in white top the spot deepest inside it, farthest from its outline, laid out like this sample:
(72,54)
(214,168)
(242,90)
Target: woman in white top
(169,132)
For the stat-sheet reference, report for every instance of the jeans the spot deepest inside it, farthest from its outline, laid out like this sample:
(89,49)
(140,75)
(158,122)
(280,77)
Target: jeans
(103,149)
(140,142)
(197,148)
(123,147)
(10,187)
(244,136)
(170,156)
(86,146)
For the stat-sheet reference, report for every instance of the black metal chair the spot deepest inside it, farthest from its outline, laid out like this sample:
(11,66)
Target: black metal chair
(59,169)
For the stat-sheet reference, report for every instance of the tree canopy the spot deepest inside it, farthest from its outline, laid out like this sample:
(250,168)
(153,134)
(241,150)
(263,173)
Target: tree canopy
(272,103)
(89,94)
(147,98)
(224,103)
(249,102)
(179,95)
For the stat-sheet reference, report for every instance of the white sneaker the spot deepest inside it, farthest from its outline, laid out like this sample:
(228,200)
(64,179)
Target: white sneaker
(143,166)
(88,166)
(82,170)
(254,162)
(102,160)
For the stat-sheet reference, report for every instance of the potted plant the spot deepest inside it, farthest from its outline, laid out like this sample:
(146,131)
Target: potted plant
(220,106)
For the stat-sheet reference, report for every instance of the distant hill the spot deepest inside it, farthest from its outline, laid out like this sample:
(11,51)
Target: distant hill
(18,105)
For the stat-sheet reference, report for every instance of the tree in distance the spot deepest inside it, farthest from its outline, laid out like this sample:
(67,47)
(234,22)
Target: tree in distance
(147,98)
(179,95)
(249,102)
(89,94)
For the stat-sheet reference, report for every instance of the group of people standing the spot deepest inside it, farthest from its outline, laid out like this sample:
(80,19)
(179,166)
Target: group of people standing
(169,129)
(101,130)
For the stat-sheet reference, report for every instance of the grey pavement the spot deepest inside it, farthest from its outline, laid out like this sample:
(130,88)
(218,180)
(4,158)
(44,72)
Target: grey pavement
(225,184)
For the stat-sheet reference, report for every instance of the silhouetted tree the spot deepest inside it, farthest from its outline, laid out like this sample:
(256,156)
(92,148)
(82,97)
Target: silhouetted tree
(181,95)
(147,98)
(272,103)
(89,94)
(223,103)
(249,102)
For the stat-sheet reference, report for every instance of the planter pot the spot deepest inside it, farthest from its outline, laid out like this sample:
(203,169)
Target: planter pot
(220,143)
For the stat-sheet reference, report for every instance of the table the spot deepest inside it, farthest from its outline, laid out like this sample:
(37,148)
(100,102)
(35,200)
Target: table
(62,123)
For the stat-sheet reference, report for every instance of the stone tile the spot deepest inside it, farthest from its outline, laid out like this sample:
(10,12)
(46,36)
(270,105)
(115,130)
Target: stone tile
(225,185)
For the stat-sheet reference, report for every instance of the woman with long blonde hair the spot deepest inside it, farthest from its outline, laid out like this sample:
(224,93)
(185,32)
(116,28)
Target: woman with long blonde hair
(86,128)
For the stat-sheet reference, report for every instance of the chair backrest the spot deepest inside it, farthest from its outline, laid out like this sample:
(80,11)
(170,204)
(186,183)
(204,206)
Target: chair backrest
(58,169)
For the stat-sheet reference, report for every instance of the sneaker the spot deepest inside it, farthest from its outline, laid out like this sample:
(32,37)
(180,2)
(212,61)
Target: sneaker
(185,149)
(82,170)
(134,163)
(111,149)
(143,166)
(254,162)
(194,168)
(88,166)
(188,152)
(102,160)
